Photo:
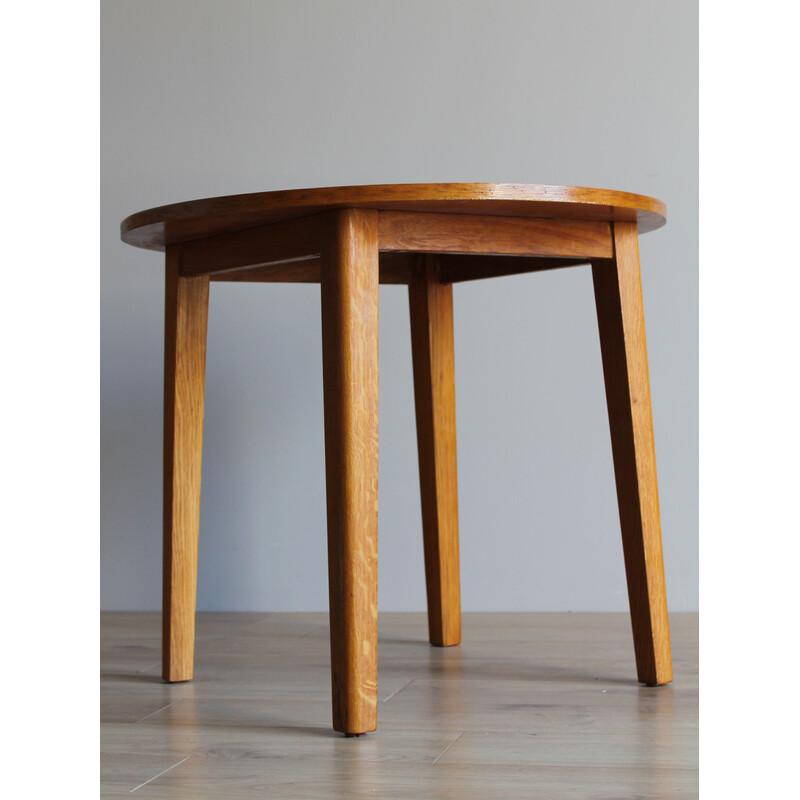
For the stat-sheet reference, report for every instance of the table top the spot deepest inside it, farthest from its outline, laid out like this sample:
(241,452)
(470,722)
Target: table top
(180,222)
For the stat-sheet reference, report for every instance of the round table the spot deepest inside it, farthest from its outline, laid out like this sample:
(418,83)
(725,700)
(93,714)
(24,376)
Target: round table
(429,236)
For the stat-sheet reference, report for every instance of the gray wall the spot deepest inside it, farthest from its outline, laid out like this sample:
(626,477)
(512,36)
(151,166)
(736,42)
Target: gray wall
(207,98)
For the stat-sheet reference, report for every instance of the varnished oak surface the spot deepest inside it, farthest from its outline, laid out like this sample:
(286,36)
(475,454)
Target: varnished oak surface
(180,222)
(620,317)
(433,357)
(350,381)
(186,323)
(530,705)
(338,234)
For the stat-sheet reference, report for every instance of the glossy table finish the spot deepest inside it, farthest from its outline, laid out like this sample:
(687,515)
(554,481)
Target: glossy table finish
(428,236)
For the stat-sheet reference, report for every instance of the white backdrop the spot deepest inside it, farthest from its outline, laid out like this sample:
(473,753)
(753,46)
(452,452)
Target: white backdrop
(204,98)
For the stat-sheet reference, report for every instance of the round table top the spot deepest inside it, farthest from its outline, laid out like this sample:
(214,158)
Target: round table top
(157,227)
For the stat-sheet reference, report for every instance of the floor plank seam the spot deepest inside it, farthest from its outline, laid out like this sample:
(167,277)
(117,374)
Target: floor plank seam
(398,690)
(147,716)
(448,747)
(163,772)
(540,720)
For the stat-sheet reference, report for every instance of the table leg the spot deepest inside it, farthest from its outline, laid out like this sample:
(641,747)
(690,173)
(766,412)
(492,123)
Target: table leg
(184,376)
(349,277)
(431,306)
(620,314)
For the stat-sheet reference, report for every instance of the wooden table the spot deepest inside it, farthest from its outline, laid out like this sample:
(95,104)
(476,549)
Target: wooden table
(429,236)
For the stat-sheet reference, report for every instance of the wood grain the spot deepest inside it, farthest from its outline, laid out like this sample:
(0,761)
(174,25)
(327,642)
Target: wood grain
(302,271)
(395,268)
(454,233)
(334,236)
(620,315)
(459,268)
(350,377)
(155,228)
(186,319)
(281,242)
(400,268)
(431,308)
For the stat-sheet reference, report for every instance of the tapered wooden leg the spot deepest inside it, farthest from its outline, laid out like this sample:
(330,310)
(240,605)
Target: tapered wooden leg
(620,314)
(431,305)
(184,376)
(349,276)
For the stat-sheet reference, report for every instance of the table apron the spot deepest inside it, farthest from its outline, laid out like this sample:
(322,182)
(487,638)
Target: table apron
(494,235)
(292,247)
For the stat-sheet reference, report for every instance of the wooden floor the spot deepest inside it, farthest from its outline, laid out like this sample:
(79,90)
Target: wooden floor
(530,705)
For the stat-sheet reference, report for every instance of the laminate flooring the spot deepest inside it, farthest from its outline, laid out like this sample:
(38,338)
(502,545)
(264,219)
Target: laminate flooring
(529,705)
